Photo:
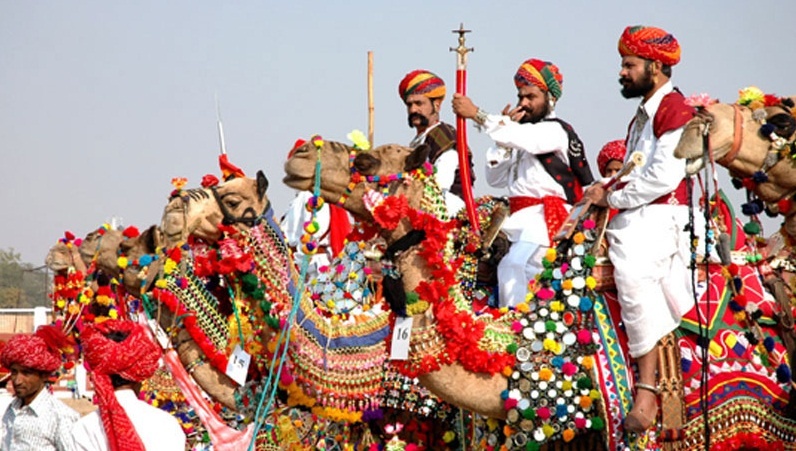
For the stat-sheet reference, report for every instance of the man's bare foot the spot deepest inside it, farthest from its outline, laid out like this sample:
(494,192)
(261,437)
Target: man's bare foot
(644,411)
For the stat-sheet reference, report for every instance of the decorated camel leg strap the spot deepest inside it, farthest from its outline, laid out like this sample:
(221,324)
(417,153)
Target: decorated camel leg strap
(670,384)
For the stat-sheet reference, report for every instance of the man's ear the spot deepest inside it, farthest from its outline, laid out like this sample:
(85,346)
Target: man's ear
(437,103)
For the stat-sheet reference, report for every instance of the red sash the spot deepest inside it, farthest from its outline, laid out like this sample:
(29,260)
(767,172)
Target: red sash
(554,211)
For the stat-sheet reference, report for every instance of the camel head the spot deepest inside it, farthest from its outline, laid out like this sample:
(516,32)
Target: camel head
(238,202)
(347,173)
(62,256)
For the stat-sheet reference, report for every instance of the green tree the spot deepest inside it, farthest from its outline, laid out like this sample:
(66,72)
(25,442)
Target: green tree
(21,284)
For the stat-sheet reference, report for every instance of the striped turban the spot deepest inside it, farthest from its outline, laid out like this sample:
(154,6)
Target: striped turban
(650,43)
(543,74)
(39,351)
(614,150)
(421,82)
(135,359)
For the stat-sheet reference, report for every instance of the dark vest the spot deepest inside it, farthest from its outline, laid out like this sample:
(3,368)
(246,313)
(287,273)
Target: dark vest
(440,139)
(577,174)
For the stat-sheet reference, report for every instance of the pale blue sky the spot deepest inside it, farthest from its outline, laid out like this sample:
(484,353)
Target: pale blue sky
(102,103)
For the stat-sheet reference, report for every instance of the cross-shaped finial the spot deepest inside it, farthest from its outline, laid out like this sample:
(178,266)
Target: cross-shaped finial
(461,50)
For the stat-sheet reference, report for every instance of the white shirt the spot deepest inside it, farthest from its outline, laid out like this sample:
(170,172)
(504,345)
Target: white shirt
(158,430)
(42,425)
(514,164)
(445,168)
(661,172)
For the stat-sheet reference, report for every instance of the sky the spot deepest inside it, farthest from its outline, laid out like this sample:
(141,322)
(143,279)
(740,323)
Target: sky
(103,103)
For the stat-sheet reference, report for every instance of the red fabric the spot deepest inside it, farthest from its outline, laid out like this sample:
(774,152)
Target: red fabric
(613,150)
(135,359)
(339,228)
(650,43)
(39,351)
(672,114)
(555,213)
(421,82)
(229,170)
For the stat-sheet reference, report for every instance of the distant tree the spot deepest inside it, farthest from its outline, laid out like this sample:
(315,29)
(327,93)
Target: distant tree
(21,284)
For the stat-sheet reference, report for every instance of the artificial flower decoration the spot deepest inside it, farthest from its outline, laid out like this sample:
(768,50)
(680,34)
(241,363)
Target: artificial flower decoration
(317,141)
(701,100)
(209,180)
(359,139)
(749,95)
(179,182)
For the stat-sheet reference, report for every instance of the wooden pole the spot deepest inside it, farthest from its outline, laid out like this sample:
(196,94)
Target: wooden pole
(370,98)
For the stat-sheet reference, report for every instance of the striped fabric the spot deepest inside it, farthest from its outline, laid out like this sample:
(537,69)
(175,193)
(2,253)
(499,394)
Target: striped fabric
(43,425)
(650,43)
(421,82)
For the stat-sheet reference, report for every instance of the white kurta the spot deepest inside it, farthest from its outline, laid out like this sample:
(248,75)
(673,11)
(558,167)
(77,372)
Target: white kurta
(444,173)
(514,165)
(293,227)
(648,245)
(158,430)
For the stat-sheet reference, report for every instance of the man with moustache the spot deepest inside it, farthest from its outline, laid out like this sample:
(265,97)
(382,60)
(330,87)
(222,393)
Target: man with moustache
(647,240)
(541,161)
(35,420)
(422,92)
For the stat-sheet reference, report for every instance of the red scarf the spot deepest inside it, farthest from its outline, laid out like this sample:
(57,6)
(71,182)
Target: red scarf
(554,211)
(135,359)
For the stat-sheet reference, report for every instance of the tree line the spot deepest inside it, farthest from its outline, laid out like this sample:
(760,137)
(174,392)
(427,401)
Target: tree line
(23,285)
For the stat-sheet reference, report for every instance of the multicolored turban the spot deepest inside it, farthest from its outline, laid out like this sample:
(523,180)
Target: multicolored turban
(543,74)
(613,150)
(135,358)
(650,43)
(40,351)
(421,82)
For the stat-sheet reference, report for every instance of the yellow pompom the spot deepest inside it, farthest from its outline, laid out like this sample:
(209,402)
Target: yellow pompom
(548,430)
(578,238)
(550,255)
(121,262)
(591,282)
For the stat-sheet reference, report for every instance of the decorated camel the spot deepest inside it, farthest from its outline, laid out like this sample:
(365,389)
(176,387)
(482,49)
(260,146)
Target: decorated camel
(389,188)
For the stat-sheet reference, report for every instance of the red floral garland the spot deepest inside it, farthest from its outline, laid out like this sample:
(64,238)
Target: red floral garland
(748,441)
(459,328)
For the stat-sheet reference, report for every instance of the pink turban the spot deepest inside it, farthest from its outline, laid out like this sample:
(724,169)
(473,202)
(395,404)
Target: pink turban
(421,82)
(650,43)
(543,74)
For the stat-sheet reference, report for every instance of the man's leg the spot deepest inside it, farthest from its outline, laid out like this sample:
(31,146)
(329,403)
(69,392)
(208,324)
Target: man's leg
(645,404)
(512,275)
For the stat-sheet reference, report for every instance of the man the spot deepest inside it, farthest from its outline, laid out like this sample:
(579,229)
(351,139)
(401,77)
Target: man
(119,354)
(35,419)
(611,158)
(423,92)
(647,242)
(541,161)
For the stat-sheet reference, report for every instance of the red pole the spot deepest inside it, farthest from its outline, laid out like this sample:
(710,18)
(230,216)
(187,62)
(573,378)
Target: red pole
(461,133)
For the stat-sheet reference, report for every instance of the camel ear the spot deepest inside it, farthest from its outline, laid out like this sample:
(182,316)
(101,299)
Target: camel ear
(366,164)
(417,157)
(262,184)
(151,237)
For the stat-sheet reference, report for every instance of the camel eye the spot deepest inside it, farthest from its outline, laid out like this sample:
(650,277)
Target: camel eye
(232,203)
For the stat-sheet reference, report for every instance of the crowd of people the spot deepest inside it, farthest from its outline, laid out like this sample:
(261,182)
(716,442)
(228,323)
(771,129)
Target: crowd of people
(540,161)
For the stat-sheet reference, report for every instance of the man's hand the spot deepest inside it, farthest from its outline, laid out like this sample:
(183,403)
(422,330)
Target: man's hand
(597,195)
(515,114)
(463,106)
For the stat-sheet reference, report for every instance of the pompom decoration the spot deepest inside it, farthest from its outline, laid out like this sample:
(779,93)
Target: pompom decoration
(783,373)
(752,228)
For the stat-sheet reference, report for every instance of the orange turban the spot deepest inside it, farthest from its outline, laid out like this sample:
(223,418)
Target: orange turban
(135,359)
(650,43)
(543,74)
(614,150)
(421,82)
(40,351)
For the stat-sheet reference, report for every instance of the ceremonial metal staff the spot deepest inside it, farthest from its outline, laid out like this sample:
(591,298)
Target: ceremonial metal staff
(461,130)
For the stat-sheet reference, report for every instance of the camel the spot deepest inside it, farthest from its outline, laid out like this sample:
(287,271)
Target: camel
(352,179)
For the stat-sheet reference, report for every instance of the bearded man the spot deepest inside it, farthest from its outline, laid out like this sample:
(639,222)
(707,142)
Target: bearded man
(423,92)
(647,240)
(541,161)
(35,419)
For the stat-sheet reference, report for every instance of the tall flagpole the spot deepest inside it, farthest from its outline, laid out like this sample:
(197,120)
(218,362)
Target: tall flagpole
(371,109)
(461,131)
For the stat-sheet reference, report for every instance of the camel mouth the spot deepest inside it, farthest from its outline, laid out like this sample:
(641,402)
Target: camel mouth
(694,164)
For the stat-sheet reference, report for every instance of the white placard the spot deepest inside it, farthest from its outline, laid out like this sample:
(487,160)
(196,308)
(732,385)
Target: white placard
(160,334)
(401,334)
(238,365)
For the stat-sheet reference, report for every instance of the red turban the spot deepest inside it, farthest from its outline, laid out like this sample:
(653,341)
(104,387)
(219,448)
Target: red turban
(543,74)
(135,358)
(421,82)
(650,43)
(614,150)
(40,351)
